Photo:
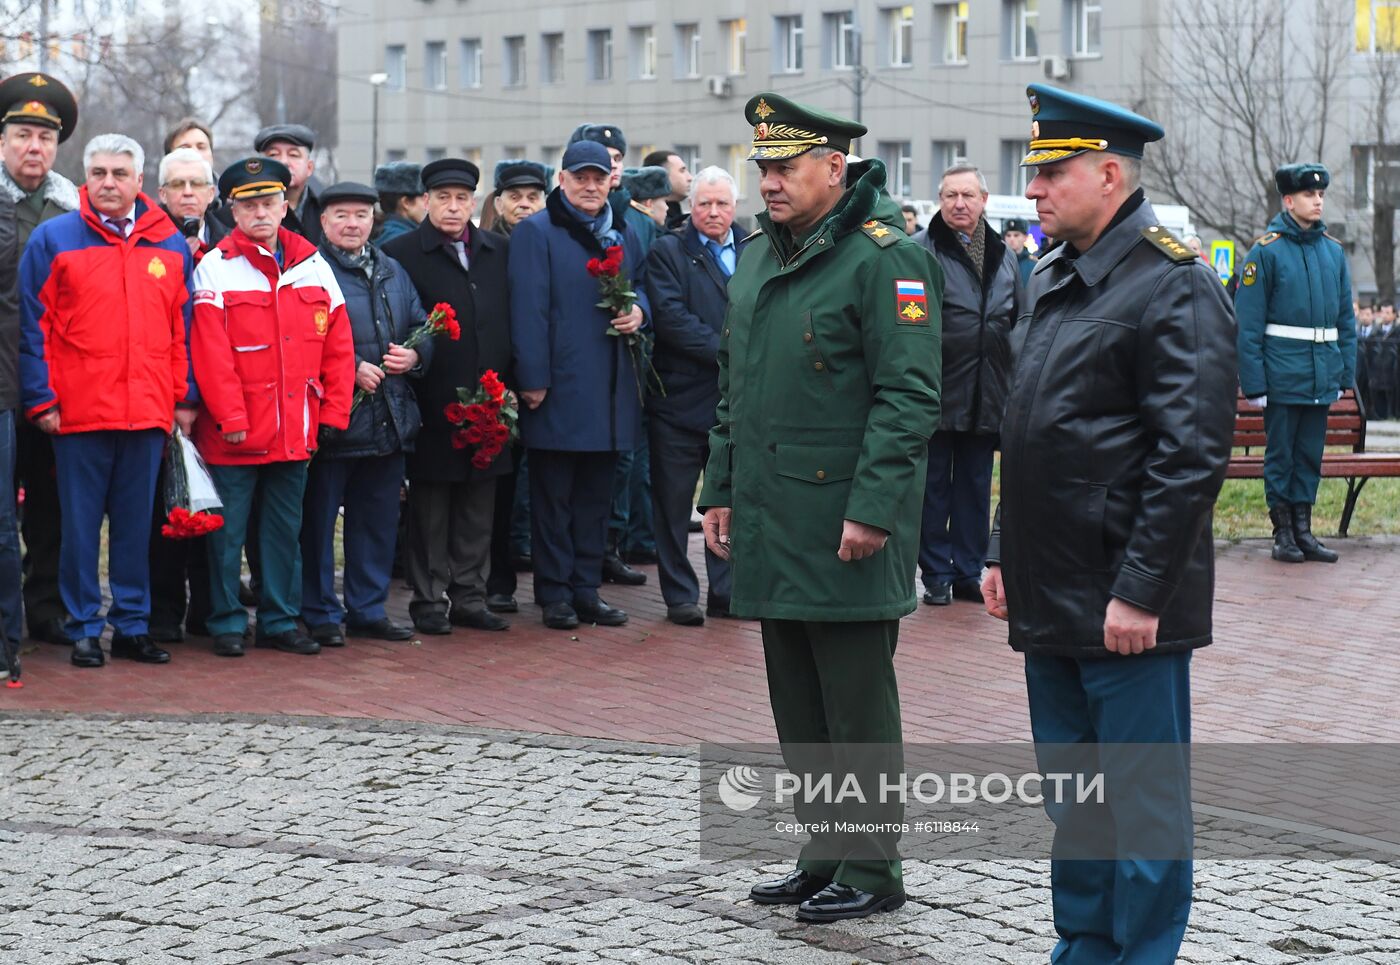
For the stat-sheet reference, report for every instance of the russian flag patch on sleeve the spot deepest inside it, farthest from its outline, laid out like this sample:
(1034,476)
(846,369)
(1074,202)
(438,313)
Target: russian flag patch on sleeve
(911,304)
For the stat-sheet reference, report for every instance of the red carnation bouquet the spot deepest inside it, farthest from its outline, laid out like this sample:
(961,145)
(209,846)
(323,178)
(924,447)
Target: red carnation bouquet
(618,298)
(191,500)
(488,419)
(442,320)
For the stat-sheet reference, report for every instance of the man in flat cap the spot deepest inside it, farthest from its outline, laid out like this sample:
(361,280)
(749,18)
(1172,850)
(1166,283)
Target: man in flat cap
(37,113)
(1114,446)
(399,185)
(829,368)
(291,145)
(450,500)
(1297,351)
(274,358)
(362,468)
(520,187)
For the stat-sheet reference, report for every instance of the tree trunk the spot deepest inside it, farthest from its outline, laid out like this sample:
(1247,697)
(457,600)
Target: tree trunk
(1383,230)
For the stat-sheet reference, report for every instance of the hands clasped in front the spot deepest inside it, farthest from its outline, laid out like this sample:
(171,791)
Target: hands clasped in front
(1126,628)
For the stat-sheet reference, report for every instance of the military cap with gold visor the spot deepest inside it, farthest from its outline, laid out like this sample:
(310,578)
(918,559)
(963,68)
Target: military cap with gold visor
(784,129)
(253,177)
(1065,124)
(34,98)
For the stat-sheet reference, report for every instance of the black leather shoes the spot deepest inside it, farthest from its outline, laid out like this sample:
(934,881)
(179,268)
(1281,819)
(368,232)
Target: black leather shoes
(940,594)
(686,615)
(51,631)
(479,620)
(379,630)
(502,603)
(616,571)
(139,648)
(837,902)
(327,634)
(87,652)
(598,612)
(793,889)
(434,623)
(639,557)
(969,590)
(228,645)
(560,616)
(288,641)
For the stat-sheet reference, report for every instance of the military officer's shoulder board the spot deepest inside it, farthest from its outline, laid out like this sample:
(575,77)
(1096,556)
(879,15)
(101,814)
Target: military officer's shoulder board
(879,233)
(1165,242)
(1269,238)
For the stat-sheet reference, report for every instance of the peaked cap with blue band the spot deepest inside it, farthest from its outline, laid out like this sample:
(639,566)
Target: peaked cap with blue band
(1064,124)
(1292,178)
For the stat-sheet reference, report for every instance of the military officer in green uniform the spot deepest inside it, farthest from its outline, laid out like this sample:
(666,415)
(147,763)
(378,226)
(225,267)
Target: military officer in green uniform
(1297,351)
(829,378)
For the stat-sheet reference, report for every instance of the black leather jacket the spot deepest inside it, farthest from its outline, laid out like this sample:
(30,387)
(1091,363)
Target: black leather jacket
(1115,443)
(9,306)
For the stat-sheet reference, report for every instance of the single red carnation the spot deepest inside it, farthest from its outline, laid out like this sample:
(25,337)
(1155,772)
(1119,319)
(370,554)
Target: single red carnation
(454,331)
(595,267)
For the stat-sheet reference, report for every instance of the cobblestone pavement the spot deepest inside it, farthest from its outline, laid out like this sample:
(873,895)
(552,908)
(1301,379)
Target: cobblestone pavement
(136,841)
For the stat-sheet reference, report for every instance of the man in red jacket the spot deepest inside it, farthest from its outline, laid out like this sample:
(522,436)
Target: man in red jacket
(272,346)
(103,367)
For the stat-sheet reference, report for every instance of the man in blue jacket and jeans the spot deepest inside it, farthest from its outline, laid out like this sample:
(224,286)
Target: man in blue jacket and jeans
(1297,351)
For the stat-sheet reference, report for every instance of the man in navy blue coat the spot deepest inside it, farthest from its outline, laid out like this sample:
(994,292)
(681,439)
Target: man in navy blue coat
(578,385)
(687,279)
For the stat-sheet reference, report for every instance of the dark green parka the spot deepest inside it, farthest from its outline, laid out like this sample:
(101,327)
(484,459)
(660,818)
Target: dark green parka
(829,374)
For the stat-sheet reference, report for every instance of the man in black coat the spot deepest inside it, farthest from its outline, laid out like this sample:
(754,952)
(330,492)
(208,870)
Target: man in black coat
(687,274)
(979,309)
(9,406)
(449,502)
(1114,447)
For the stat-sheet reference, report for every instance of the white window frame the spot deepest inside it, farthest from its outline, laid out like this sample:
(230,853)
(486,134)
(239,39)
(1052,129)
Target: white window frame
(644,53)
(738,166)
(687,50)
(899,165)
(600,55)
(1080,12)
(435,65)
(515,63)
(395,66)
(841,39)
(952,19)
(900,25)
(552,58)
(1014,178)
(737,36)
(1025,26)
(946,153)
(789,35)
(469,74)
(1393,5)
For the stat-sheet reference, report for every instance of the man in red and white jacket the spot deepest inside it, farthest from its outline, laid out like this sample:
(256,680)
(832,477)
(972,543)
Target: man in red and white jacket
(275,359)
(103,367)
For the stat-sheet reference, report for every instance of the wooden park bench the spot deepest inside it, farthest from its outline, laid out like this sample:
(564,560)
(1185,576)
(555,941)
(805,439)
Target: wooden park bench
(1346,427)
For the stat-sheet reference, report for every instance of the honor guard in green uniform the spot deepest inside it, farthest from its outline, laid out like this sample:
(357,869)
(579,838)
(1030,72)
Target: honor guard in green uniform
(1297,351)
(829,378)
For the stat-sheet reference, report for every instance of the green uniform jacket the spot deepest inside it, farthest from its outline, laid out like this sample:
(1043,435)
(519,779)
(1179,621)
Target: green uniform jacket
(829,371)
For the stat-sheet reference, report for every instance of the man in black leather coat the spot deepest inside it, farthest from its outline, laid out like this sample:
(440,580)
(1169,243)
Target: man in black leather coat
(1114,447)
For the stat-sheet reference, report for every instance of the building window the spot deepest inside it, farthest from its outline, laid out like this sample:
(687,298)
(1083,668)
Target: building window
(513,152)
(472,154)
(395,154)
(736,35)
(643,53)
(839,41)
(471,62)
(434,153)
(1014,178)
(435,65)
(396,66)
(1024,29)
(1086,27)
(552,62)
(1378,26)
(899,29)
(737,156)
(690,154)
(945,155)
(600,55)
(515,62)
(787,44)
(1376,175)
(552,157)
(899,167)
(950,22)
(688,50)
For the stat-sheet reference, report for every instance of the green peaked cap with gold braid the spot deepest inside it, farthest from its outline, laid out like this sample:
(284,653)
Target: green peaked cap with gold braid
(784,128)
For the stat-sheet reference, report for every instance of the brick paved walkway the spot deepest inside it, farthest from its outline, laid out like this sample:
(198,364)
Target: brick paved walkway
(1302,653)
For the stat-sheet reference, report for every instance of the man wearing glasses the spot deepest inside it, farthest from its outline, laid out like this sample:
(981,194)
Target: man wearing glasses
(186,191)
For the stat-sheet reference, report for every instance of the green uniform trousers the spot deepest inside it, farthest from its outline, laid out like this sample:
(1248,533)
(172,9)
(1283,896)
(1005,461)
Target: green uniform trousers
(278,488)
(836,705)
(1294,437)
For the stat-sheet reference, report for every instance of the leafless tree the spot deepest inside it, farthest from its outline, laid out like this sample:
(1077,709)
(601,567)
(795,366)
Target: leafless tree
(1381,160)
(1243,88)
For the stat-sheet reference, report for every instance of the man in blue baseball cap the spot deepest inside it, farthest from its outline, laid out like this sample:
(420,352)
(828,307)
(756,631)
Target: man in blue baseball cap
(1114,446)
(1297,349)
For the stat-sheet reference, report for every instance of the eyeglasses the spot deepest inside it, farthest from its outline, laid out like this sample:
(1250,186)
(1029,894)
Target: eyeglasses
(184,183)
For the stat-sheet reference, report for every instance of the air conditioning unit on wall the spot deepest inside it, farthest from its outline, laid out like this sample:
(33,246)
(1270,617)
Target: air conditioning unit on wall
(1056,68)
(719,86)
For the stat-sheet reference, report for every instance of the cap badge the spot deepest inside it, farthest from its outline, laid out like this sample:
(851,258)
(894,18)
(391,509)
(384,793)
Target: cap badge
(1035,102)
(607,133)
(763,110)
(253,166)
(156,268)
(38,81)
(760,133)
